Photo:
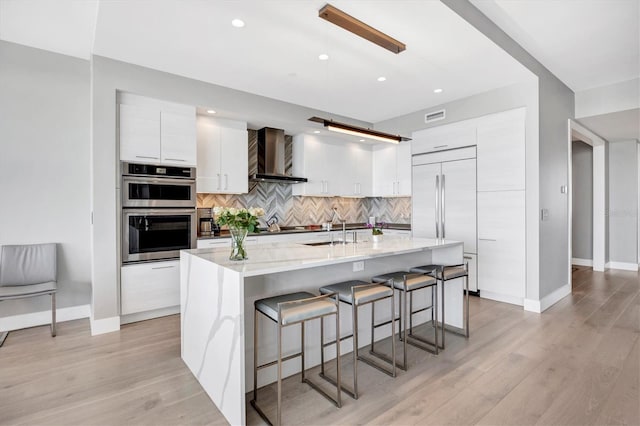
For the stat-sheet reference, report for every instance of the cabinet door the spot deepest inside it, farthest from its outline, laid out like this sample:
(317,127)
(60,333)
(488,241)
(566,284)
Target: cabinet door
(310,159)
(423,204)
(208,173)
(178,138)
(234,155)
(384,171)
(403,169)
(501,245)
(354,170)
(439,138)
(501,151)
(139,134)
(149,286)
(459,195)
(214,243)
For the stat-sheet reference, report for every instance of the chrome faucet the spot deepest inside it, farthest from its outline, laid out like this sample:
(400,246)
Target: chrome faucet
(343,221)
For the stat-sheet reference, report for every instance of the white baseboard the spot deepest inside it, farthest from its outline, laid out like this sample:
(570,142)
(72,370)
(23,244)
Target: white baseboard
(17,322)
(501,297)
(548,301)
(157,313)
(624,266)
(581,262)
(104,325)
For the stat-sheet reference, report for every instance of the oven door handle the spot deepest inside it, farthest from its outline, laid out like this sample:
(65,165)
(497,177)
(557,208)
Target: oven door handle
(162,180)
(157,212)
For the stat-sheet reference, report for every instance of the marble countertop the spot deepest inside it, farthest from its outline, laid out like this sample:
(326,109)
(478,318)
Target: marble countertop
(271,258)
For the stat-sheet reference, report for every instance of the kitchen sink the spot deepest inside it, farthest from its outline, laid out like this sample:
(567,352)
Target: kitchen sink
(323,243)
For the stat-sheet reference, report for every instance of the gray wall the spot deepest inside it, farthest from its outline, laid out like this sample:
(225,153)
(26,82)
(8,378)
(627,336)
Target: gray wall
(110,76)
(582,196)
(556,106)
(623,202)
(44,165)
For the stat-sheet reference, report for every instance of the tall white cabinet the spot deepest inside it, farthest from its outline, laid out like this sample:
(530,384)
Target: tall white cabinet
(223,153)
(498,203)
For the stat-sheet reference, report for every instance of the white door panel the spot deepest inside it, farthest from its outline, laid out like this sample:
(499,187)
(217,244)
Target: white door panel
(424,200)
(459,188)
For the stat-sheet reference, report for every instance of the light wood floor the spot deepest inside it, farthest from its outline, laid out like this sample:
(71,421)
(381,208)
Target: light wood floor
(576,364)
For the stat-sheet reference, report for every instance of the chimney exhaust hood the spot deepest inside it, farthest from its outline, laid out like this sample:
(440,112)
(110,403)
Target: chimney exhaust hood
(270,154)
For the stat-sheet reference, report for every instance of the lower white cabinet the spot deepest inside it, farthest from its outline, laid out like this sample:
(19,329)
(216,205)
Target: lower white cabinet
(501,245)
(149,286)
(223,242)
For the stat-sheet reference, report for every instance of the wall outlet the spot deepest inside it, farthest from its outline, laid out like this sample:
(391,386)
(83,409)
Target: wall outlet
(358,266)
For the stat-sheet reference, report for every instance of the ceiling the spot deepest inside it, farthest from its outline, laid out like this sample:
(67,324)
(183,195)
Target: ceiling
(585,43)
(276,53)
(616,126)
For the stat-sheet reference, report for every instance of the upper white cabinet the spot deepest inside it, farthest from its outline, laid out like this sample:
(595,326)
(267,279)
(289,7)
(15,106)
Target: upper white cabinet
(154,131)
(223,155)
(356,167)
(392,170)
(501,151)
(315,161)
(450,136)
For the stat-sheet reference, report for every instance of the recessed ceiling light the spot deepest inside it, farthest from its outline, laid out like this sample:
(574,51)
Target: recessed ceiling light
(238,23)
(361,140)
(210,111)
(437,91)
(316,131)
(382,78)
(323,56)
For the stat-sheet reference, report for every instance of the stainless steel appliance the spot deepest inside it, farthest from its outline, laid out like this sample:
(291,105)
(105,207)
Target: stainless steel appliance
(270,154)
(444,199)
(153,234)
(147,185)
(158,211)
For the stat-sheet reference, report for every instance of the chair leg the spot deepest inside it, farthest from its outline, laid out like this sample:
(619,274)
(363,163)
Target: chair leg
(255,355)
(3,337)
(354,310)
(279,406)
(302,348)
(53,315)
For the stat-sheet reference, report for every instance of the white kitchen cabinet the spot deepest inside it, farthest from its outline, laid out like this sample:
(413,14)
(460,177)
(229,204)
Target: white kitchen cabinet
(177,138)
(321,163)
(223,155)
(501,151)
(355,165)
(501,246)
(448,136)
(392,170)
(154,131)
(149,286)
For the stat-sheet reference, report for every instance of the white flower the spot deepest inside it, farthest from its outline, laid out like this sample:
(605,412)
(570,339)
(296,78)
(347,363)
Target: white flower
(232,211)
(259,211)
(217,210)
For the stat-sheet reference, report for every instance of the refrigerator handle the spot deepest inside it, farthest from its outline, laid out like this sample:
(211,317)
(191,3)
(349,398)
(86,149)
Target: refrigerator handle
(437,215)
(443,207)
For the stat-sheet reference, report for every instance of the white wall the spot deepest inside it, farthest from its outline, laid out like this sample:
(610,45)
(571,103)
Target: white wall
(44,165)
(582,197)
(623,202)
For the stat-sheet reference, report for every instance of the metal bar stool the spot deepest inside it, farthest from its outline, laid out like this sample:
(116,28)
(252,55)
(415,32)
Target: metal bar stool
(406,283)
(359,293)
(444,273)
(286,310)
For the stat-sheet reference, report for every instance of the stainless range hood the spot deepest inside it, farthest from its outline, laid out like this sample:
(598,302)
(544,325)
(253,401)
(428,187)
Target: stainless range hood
(270,152)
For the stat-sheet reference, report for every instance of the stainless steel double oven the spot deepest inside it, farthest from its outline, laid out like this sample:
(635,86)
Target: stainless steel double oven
(158,211)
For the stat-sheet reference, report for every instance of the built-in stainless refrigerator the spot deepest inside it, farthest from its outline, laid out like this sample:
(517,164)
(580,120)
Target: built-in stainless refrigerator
(444,200)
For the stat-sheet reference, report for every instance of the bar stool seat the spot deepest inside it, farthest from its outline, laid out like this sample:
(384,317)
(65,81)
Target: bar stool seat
(413,283)
(362,295)
(445,273)
(287,310)
(303,311)
(358,293)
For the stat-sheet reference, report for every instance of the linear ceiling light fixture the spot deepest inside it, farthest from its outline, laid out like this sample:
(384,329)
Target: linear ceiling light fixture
(348,129)
(357,27)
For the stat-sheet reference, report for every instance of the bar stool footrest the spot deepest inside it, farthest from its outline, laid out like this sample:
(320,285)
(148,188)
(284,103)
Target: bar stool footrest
(342,386)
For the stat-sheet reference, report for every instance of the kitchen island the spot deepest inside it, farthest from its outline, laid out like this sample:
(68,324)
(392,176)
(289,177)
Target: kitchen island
(217,295)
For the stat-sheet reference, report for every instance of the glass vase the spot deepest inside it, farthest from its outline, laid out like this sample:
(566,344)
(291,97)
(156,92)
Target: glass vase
(238,251)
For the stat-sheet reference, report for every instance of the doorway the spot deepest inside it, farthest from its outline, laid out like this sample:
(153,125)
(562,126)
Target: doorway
(575,131)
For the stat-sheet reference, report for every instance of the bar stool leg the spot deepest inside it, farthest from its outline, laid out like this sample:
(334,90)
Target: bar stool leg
(302,348)
(434,304)
(466,312)
(354,310)
(410,313)
(404,331)
(443,299)
(322,347)
(255,354)
(338,368)
(373,340)
(279,342)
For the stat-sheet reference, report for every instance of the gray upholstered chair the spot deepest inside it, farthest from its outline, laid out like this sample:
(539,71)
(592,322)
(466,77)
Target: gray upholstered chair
(28,271)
